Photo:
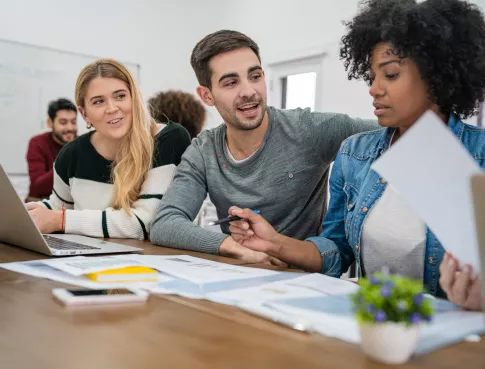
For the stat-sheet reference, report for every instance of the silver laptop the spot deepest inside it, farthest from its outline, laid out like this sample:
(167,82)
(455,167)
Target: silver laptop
(17,228)
(478,191)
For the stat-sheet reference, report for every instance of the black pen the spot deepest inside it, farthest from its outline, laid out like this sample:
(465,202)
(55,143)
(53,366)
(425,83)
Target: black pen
(229,219)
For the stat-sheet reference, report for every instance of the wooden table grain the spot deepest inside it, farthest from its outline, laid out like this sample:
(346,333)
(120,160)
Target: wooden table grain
(168,332)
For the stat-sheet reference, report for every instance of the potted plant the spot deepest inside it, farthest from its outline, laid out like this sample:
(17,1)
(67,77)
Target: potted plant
(390,309)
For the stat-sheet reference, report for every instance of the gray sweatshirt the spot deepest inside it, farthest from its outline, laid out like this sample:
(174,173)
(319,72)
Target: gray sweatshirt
(286,179)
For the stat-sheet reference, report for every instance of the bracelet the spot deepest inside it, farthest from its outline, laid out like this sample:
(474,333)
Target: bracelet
(63,224)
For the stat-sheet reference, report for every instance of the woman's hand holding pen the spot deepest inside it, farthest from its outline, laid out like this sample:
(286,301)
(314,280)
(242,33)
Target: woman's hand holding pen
(253,231)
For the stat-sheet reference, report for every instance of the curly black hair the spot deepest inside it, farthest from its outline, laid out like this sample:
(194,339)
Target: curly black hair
(178,106)
(445,38)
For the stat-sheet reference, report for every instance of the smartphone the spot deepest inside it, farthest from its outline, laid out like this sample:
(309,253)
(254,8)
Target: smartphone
(78,297)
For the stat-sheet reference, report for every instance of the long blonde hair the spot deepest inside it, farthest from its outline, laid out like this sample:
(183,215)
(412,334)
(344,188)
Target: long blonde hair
(135,154)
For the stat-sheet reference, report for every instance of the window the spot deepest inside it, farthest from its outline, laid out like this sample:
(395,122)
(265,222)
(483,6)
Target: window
(298,91)
(296,83)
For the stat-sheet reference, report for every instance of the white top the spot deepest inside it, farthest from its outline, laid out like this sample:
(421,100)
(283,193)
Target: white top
(393,238)
(229,155)
(82,184)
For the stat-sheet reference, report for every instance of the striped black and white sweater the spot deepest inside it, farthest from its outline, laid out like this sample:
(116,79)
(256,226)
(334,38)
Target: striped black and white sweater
(82,181)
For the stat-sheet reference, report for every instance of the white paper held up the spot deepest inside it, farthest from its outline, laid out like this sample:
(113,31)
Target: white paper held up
(431,170)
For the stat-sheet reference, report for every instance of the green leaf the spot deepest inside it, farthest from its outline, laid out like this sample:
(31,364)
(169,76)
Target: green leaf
(397,302)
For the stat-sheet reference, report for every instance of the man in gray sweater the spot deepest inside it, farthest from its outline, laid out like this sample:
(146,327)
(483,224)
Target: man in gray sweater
(276,161)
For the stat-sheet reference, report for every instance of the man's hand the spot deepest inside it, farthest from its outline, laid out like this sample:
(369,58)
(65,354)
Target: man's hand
(459,286)
(253,231)
(47,221)
(229,247)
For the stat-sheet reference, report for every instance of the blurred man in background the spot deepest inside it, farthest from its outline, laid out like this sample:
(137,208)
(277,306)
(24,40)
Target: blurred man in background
(43,148)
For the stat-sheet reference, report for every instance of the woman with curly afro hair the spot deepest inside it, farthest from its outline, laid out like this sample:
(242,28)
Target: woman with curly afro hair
(415,57)
(180,107)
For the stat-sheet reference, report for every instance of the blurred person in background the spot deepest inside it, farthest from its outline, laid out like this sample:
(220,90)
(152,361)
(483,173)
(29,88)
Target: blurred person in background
(43,148)
(180,107)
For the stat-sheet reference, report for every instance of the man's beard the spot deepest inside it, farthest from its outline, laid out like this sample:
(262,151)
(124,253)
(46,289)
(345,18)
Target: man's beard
(236,122)
(60,137)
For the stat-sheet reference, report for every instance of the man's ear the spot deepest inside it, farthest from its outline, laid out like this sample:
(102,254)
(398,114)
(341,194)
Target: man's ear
(205,95)
(49,123)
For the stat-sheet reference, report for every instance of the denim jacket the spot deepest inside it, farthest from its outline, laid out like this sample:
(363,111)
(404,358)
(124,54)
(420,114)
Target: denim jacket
(354,190)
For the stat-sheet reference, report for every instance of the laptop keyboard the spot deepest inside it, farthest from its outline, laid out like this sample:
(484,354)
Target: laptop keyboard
(60,244)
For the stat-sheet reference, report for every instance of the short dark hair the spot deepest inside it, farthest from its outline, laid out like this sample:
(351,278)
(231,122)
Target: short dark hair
(180,107)
(60,104)
(214,44)
(445,38)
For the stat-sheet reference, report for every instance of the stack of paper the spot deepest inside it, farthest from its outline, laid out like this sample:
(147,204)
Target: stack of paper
(70,270)
(183,275)
(291,287)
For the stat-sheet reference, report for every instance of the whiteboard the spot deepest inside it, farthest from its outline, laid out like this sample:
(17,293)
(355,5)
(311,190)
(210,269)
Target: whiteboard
(30,77)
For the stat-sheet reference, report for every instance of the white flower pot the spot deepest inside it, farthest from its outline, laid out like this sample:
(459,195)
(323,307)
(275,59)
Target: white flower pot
(389,342)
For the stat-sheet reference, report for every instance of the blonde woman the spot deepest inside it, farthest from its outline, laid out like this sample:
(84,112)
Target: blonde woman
(109,181)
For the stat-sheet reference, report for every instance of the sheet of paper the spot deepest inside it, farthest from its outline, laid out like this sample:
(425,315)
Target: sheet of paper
(185,288)
(431,169)
(297,322)
(201,271)
(179,287)
(91,264)
(41,270)
(325,284)
(262,293)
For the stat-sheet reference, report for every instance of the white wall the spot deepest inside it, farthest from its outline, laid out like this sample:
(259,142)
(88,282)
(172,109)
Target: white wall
(288,30)
(158,35)
(285,29)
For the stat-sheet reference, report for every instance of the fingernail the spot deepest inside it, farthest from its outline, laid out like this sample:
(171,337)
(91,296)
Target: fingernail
(451,262)
(467,269)
(250,233)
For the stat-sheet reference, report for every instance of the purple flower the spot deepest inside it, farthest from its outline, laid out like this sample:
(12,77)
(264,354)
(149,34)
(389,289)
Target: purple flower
(374,281)
(418,299)
(415,318)
(380,316)
(389,284)
(428,318)
(369,308)
(386,292)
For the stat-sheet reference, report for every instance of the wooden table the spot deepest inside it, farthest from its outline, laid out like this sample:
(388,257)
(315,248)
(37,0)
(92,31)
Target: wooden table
(168,332)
